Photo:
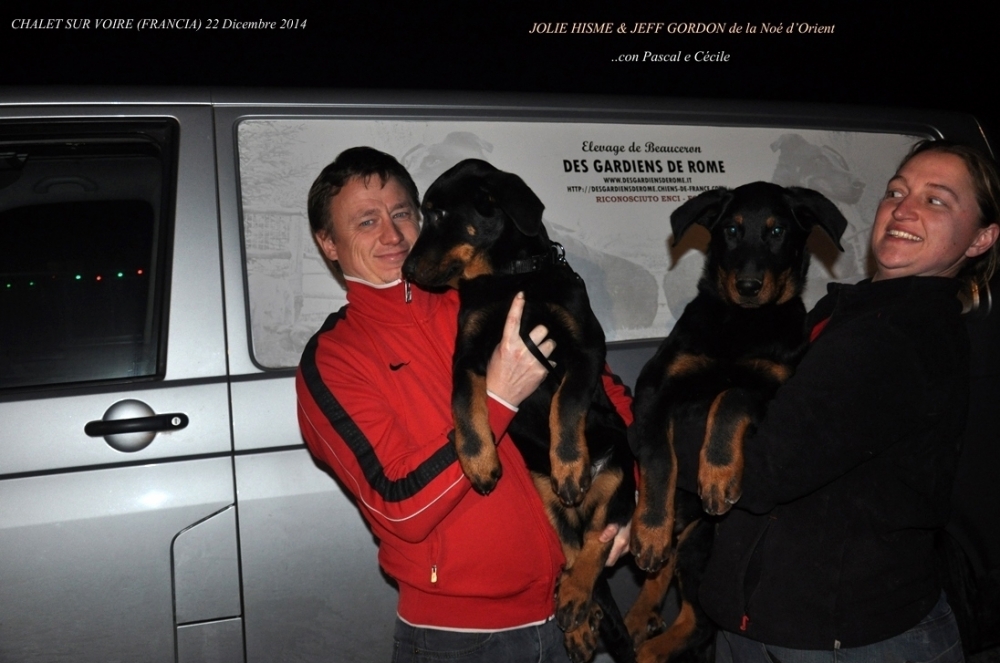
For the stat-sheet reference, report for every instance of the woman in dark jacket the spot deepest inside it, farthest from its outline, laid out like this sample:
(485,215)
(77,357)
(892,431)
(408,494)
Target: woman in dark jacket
(828,555)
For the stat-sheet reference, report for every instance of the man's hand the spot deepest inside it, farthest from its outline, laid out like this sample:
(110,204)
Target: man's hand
(621,536)
(513,372)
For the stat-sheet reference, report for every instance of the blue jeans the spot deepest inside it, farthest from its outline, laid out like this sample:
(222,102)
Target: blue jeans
(531,644)
(934,640)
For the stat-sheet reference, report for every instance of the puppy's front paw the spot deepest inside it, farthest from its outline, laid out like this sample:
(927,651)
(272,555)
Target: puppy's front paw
(582,640)
(483,470)
(650,544)
(719,487)
(643,625)
(479,460)
(484,476)
(570,482)
(573,604)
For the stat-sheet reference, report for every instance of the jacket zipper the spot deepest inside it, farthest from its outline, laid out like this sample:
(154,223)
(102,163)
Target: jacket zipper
(435,556)
(752,573)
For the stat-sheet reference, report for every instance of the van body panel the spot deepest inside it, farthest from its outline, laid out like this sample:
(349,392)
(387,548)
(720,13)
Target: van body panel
(311,581)
(264,412)
(86,559)
(206,569)
(212,642)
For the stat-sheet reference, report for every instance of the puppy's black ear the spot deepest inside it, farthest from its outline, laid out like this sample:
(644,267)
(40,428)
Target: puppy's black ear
(812,208)
(706,208)
(513,196)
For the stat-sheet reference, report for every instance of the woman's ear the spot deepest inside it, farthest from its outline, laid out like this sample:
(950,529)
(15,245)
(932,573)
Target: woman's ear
(983,241)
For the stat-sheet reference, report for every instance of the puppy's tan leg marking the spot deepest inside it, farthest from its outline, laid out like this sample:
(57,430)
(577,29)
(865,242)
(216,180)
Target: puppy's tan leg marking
(643,619)
(686,363)
(660,648)
(569,458)
(776,370)
(568,320)
(719,484)
(576,584)
(581,641)
(652,526)
(474,439)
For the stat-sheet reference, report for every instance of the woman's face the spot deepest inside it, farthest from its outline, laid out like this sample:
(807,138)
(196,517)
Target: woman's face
(928,223)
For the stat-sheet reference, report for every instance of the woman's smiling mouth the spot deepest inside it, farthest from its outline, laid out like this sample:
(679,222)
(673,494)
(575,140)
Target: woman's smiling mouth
(902,234)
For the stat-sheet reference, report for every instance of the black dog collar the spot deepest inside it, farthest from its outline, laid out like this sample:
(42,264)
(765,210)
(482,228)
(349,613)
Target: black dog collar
(556,255)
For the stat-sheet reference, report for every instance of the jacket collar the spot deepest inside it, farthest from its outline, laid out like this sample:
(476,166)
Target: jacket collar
(386,303)
(935,293)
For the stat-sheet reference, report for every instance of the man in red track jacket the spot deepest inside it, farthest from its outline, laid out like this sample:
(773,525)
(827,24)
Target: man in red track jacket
(476,574)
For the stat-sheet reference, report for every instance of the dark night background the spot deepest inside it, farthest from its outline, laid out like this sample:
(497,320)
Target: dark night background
(881,53)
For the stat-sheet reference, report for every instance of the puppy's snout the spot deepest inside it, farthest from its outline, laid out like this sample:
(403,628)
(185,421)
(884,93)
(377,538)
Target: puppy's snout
(749,287)
(409,268)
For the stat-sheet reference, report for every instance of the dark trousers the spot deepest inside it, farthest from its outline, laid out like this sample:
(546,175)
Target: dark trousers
(934,640)
(531,644)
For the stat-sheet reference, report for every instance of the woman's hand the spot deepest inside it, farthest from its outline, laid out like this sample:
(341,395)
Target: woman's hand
(621,536)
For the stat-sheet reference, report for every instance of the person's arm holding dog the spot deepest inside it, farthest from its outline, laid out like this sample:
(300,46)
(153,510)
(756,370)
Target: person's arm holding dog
(513,374)
(819,427)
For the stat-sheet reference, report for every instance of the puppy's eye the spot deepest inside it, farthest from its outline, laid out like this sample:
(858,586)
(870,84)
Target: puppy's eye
(777,231)
(731,230)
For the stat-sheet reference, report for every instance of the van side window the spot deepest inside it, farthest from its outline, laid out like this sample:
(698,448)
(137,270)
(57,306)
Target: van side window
(85,212)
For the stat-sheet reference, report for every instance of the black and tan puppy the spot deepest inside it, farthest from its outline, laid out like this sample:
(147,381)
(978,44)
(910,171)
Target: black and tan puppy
(708,384)
(483,234)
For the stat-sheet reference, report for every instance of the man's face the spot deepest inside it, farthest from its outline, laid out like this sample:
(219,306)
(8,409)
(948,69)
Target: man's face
(373,226)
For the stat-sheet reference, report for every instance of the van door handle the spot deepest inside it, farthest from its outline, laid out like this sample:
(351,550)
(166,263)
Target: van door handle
(156,423)
(131,425)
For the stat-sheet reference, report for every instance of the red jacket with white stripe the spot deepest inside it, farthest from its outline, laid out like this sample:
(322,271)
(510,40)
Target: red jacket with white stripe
(374,392)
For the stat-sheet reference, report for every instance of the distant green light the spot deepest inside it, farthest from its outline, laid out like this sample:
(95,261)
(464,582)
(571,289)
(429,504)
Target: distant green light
(78,277)
(121,274)
(31,283)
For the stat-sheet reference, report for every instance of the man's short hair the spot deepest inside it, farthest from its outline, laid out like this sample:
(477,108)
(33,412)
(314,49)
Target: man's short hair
(356,162)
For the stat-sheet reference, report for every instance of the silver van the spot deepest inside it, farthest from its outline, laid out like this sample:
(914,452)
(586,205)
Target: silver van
(158,282)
